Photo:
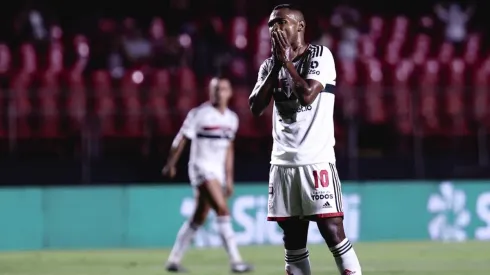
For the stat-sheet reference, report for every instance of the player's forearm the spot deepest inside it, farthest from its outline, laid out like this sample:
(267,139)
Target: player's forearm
(175,152)
(262,93)
(302,89)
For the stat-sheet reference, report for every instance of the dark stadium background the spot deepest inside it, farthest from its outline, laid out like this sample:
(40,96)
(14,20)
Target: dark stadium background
(42,144)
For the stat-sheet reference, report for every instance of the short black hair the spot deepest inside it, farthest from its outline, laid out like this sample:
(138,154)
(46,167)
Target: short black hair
(286,6)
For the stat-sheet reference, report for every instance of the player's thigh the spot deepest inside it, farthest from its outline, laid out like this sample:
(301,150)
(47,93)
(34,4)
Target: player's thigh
(202,208)
(321,191)
(295,233)
(212,191)
(284,200)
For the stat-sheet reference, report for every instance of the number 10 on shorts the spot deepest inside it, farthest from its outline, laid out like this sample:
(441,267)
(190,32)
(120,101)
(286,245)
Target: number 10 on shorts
(321,178)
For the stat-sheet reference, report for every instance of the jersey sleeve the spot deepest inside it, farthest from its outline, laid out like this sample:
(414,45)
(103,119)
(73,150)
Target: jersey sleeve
(236,124)
(322,66)
(188,128)
(264,71)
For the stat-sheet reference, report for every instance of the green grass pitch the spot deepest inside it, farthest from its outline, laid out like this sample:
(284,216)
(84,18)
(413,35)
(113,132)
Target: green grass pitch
(422,258)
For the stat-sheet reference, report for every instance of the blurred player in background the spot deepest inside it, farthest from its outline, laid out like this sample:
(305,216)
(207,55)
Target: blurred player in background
(303,181)
(211,127)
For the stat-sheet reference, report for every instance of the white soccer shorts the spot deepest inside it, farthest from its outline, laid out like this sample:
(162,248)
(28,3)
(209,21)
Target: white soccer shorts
(200,174)
(308,191)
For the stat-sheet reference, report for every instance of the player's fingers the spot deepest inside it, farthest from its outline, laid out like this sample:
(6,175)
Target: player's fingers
(277,44)
(277,39)
(282,38)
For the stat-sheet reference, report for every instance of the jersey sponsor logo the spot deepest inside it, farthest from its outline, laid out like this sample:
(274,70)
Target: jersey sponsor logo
(311,71)
(327,205)
(321,195)
(314,64)
(304,108)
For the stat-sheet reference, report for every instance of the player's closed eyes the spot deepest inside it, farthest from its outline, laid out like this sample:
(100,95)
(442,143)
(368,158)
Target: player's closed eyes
(280,22)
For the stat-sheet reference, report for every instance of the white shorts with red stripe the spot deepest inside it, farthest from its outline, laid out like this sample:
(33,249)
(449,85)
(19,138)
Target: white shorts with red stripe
(308,191)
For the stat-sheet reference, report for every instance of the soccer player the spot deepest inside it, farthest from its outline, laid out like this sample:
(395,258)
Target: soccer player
(303,181)
(211,127)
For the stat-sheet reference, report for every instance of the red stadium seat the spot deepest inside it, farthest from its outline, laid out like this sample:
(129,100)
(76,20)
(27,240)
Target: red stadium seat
(239,30)
(55,58)
(347,95)
(367,48)
(132,108)
(186,81)
(248,125)
(4,114)
(50,117)
(105,105)
(5,59)
(49,105)
(393,52)
(401,25)
(49,84)
(262,45)
(428,85)
(20,103)
(472,49)
(161,82)
(454,98)
(446,53)
(421,49)
(376,27)
(157,104)
(183,105)
(28,58)
(160,112)
(82,51)
(402,97)
(374,98)
(102,83)
(76,105)
(133,117)
(481,97)
(130,83)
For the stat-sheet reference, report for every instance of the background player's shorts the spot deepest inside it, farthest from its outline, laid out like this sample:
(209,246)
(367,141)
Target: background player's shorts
(308,190)
(198,174)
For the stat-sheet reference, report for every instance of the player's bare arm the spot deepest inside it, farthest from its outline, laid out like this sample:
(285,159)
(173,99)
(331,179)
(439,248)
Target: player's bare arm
(305,90)
(262,93)
(230,171)
(178,146)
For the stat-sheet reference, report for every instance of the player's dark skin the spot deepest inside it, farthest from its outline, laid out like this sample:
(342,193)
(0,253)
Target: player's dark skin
(287,28)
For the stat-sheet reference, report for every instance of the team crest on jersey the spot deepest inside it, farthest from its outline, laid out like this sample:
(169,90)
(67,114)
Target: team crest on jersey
(283,91)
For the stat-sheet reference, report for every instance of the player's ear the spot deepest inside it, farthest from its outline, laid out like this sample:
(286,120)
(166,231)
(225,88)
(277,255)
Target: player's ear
(301,26)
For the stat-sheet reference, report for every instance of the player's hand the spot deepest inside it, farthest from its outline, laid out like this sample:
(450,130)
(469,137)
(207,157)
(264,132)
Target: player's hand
(283,51)
(229,189)
(169,171)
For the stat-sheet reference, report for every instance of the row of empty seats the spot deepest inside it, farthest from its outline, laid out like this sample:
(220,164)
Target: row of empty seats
(406,96)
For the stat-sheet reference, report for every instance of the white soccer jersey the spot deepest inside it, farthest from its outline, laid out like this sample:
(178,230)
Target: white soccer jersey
(211,133)
(303,134)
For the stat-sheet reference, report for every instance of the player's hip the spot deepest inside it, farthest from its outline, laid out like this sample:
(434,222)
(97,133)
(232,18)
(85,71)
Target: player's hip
(302,157)
(199,174)
(308,190)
